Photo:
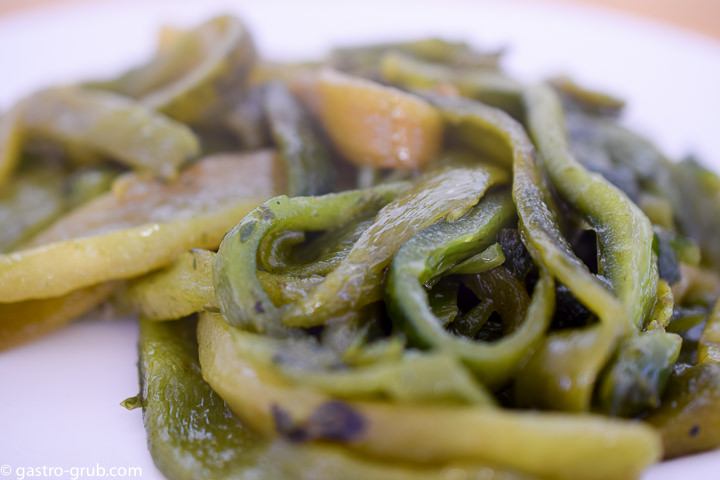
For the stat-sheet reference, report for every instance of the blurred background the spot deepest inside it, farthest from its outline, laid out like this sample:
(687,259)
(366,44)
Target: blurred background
(700,16)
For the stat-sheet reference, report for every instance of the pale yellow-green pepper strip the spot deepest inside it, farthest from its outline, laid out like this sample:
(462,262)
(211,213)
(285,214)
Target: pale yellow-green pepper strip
(558,445)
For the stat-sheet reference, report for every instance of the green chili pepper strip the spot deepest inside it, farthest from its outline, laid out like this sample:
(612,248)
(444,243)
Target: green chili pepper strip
(200,76)
(625,234)
(488,86)
(34,199)
(446,193)
(193,436)
(187,287)
(241,297)
(113,125)
(571,383)
(191,433)
(306,158)
(431,251)
(709,346)
(415,377)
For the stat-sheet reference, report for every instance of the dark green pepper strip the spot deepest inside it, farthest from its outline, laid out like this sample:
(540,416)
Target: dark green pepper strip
(435,249)
(709,345)
(446,193)
(442,299)
(492,128)
(307,160)
(689,417)
(191,433)
(242,299)
(113,125)
(625,234)
(639,373)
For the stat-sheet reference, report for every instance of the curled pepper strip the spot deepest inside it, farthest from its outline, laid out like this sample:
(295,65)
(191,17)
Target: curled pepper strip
(571,384)
(446,193)
(431,251)
(198,75)
(636,377)
(242,299)
(625,234)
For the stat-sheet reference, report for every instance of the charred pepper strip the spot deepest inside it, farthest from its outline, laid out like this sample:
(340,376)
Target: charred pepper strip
(242,299)
(191,433)
(636,377)
(438,248)
(557,445)
(193,436)
(571,383)
(625,234)
(709,346)
(198,76)
(445,193)
(307,160)
(113,125)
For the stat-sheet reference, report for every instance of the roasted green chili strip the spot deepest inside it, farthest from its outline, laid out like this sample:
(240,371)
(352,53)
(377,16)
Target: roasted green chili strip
(187,287)
(639,374)
(689,417)
(567,383)
(199,76)
(412,378)
(709,345)
(28,204)
(191,433)
(446,193)
(486,85)
(564,446)
(181,289)
(626,258)
(434,250)
(481,262)
(625,234)
(242,298)
(307,160)
(112,125)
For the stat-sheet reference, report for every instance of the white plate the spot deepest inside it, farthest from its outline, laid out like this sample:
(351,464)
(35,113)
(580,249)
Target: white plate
(59,407)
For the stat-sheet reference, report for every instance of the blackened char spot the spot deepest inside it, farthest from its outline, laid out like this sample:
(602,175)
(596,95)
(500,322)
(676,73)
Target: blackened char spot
(259,307)
(335,420)
(284,425)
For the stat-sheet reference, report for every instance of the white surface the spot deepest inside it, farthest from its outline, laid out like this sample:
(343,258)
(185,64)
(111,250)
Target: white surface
(59,406)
